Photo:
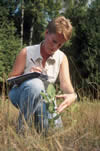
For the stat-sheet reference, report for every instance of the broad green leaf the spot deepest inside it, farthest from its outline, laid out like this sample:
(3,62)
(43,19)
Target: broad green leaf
(45,97)
(51,108)
(51,90)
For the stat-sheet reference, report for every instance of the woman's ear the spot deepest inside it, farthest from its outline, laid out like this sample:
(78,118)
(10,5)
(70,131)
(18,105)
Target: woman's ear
(46,32)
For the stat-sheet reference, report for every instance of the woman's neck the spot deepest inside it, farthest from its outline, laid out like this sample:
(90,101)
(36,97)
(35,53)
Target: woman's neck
(43,52)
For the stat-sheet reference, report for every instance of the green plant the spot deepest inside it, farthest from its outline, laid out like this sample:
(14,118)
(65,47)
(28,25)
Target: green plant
(50,99)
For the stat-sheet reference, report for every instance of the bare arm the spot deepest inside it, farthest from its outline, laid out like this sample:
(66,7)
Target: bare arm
(64,77)
(19,64)
(69,95)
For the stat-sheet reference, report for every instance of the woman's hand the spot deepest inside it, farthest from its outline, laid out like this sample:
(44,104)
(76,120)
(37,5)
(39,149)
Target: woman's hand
(68,100)
(36,69)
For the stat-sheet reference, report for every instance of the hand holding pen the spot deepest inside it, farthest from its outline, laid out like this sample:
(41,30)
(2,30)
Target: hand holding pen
(37,68)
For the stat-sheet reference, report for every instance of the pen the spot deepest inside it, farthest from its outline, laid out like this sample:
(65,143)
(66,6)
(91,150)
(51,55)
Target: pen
(33,61)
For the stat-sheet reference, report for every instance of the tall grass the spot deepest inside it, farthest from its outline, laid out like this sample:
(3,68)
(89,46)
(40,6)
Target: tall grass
(80,132)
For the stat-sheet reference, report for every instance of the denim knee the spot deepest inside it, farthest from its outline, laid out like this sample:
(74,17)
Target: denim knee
(30,96)
(35,85)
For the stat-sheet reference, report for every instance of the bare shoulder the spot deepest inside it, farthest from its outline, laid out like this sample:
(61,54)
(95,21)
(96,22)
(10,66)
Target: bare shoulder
(64,60)
(23,52)
(21,58)
(19,65)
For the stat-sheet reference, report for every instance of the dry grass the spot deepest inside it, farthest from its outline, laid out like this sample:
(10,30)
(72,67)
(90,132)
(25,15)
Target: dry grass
(81,131)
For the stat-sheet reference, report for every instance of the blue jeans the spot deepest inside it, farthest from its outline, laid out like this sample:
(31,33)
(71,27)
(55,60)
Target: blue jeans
(27,98)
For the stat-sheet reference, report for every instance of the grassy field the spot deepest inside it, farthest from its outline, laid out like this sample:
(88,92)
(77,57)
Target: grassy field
(80,132)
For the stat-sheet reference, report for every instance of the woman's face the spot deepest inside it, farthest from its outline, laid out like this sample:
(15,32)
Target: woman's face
(53,42)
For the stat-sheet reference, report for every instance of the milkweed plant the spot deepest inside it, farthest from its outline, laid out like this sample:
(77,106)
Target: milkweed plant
(50,99)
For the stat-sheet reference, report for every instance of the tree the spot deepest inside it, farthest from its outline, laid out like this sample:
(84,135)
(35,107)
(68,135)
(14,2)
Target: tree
(84,52)
(22,21)
(9,43)
(37,13)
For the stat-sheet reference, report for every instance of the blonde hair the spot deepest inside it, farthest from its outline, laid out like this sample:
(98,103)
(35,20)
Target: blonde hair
(61,25)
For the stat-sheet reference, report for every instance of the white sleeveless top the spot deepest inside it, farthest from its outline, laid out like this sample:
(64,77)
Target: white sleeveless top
(52,65)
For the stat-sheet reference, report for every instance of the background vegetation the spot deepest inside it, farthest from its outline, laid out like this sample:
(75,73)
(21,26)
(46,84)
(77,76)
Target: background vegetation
(23,22)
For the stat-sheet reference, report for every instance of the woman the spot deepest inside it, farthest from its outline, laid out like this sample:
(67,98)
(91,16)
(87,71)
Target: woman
(46,57)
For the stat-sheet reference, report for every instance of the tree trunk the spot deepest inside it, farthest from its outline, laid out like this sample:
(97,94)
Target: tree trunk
(22,21)
(31,32)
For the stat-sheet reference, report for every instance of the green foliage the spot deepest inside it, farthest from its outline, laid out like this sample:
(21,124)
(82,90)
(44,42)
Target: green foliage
(49,98)
(51,91)
(36,16)
(52,8)
(9,43)
(84,52)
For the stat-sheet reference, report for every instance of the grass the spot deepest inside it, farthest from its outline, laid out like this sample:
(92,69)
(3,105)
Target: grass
(80,132)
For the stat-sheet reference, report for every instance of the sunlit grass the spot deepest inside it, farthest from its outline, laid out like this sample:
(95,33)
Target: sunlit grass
(80,132)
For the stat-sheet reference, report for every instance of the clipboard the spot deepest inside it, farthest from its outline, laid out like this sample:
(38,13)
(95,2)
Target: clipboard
(20,79)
